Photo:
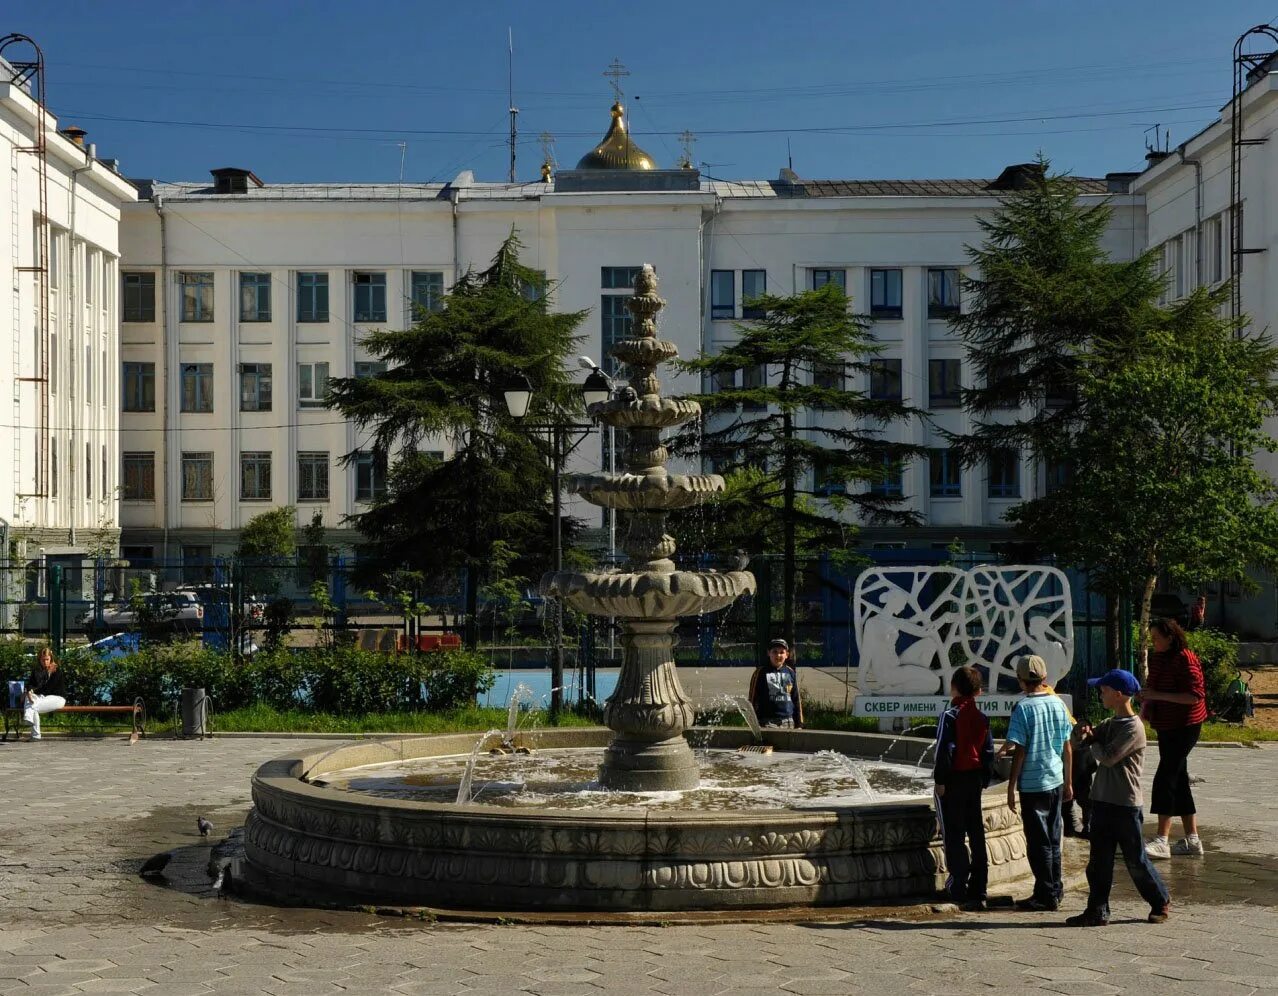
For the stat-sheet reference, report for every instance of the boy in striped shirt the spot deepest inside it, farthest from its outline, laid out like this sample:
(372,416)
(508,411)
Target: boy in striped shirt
(1040,729)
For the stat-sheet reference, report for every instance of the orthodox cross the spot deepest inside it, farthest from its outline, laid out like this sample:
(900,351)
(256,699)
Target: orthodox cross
(615,72)
(547,141)
(687,139)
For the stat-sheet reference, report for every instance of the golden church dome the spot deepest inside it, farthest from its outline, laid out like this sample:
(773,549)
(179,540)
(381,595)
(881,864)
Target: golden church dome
(617,151)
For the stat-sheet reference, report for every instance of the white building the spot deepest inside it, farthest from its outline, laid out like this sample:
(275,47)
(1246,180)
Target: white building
(1187,200)
(240,296)
(59,452)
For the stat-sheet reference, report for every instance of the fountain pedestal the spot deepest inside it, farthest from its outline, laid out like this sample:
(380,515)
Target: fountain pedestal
(649,711)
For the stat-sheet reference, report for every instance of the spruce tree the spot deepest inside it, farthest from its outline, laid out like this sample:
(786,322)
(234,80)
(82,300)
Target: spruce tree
(812,443)
(444,382)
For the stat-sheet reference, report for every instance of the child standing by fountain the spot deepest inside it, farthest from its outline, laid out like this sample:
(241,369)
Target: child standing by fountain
(1042,769)
(774,690)
(962,769)
(1118,744)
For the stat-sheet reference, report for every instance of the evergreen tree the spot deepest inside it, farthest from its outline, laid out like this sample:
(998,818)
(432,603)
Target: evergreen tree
(1045,295)
(818,442)
(445,380)
(1164,483)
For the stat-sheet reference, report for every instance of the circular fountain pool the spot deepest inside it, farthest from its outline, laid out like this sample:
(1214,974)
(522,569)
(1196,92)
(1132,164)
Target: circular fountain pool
(345,827)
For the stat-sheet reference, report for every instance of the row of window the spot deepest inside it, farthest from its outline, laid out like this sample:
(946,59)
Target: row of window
(944,382)
(1182,258)
(197,287)
(945,476)
(54,482)
(886,301)
(255,385)
(138,477)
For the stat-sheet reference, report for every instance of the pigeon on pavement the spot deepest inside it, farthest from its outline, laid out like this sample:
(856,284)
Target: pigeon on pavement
(203,825)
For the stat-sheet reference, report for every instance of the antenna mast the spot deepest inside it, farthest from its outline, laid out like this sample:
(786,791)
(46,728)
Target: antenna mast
(510,97)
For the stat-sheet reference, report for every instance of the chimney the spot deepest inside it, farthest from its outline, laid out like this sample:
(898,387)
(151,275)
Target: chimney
(1119,183)
(75,134)
(1018,176)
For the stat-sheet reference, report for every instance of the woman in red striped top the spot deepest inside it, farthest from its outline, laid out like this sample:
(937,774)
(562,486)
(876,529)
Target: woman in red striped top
(1175,704)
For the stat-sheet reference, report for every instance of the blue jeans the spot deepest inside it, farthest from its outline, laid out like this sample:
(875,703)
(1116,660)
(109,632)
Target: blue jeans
(1041,818)
(1119,828)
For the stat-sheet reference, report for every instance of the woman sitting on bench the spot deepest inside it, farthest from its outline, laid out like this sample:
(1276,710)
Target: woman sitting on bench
(44,691)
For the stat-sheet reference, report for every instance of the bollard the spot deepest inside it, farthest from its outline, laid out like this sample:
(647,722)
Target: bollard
(195,712)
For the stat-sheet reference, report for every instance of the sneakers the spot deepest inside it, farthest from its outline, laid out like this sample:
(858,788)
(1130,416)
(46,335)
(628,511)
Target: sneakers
(1033,905)
(1159,914)
(1089,918)
(1158,849)
(1186,845)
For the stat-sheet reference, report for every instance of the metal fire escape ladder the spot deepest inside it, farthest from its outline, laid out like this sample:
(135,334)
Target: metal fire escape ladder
(1246,66)
(28,73)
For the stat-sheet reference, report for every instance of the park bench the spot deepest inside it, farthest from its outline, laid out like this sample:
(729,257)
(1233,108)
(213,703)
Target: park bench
(135,712)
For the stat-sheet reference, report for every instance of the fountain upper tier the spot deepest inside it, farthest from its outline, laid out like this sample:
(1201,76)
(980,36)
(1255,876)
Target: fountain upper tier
(650,594)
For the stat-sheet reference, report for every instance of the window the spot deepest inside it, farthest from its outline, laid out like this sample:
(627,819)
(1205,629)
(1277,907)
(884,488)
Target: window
(618,277)
(1058,474)
(197,296)
(255,297)
(890,481)
(312,384)
(885,380)
(53,468)
(138,556)
(88,374)
(946,475)
(139,387)
(312,477)
(197,563)
(197,476)
(255,387)
(885,294)
(88,470)
(106,482)
(1173,278)
(255,476)
(1001,375)
(370,297)
(722,288)
(754,284)
(428,289)
(1005,474)
(312,297)
(1179,265)
(617,325)
(942,293)
(139,297)
(1061,387)
(197,387)
(828,375)
(138,472)
(369,368)
(822,277)
(723,380)
(827,481)
(54,363)
(1215,249)
(943,383)
(370,476)
(90,269)
(753,379)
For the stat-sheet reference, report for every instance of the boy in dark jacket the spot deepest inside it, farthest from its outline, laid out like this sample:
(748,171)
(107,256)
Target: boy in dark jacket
(774,690)
(964,762)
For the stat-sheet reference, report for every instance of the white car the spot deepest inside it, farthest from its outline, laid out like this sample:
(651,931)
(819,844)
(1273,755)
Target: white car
(179,610)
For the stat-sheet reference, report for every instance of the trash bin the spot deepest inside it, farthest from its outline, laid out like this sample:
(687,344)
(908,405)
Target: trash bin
(195,712)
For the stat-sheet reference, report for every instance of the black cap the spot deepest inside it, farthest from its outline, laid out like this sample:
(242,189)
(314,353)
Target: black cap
(778,642)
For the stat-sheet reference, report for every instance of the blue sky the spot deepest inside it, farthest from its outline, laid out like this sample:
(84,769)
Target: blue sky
(326,90)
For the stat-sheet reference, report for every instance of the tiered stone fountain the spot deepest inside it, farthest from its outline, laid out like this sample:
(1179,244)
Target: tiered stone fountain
(649,710)
(374,823)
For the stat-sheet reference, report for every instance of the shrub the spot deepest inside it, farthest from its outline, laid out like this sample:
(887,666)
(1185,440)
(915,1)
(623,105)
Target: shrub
(1218,653)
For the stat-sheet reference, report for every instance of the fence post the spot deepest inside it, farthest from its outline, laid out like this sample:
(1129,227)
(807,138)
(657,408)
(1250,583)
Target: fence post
(57,609)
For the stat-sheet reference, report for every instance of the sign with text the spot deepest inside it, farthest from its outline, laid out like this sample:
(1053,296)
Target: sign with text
(889,706)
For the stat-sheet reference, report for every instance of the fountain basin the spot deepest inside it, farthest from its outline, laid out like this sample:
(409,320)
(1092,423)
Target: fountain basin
(649,595)
(309,842)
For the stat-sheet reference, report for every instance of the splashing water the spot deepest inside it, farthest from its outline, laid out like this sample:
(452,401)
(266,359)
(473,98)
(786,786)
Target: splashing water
(468,774)
(520,693)
(853,767)
(919,763)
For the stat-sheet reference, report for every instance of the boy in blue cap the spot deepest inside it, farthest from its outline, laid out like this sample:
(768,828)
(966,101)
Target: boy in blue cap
(1118,744)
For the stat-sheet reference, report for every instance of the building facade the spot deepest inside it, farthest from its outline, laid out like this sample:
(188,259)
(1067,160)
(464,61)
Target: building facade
(59,420)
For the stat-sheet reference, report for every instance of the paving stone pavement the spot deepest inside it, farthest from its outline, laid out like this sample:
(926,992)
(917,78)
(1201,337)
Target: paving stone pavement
(79,817)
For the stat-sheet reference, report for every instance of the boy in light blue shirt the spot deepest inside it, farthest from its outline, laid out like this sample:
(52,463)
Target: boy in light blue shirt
(1039,731)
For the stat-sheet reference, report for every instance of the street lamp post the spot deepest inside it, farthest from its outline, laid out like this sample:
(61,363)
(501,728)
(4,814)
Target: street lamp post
(518,397)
